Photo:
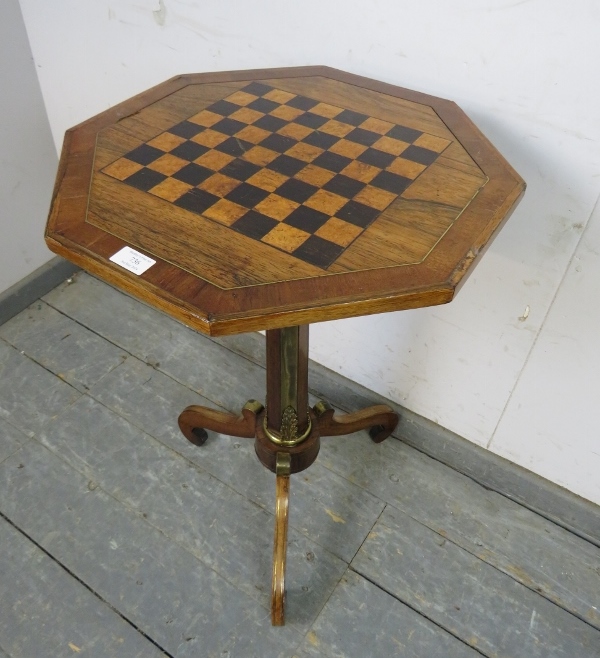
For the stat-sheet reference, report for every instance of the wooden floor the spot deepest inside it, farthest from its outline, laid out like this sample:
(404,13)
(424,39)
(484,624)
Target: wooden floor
(120,539)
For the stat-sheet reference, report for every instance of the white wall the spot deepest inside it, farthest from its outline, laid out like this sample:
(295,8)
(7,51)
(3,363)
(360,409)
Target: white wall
(512,363)
(27,156)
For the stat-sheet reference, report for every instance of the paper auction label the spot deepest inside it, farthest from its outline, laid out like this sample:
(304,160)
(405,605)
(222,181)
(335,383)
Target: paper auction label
(132,260)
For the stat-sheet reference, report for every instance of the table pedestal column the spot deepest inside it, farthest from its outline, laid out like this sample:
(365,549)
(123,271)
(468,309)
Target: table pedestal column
(287,439)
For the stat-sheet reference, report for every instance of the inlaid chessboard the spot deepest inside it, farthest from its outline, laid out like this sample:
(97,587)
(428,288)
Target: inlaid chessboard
(247,200)
(303,176)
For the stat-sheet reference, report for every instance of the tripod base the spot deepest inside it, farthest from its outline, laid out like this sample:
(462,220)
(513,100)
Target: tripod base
(282,444)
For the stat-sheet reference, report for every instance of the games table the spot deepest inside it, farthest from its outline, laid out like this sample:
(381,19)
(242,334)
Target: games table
(270,199)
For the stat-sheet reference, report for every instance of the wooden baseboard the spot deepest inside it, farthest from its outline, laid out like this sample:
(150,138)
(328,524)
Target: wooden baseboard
(33,286)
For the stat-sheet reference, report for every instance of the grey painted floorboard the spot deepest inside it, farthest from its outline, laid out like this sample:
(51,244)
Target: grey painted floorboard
(529,548)
(10,439)
(184,606)
(494,472)
(158,340)
(30,395)
(150,400)
(468,597)
(61,345)
(179,539)
(46,612)
(481,521)
(223,529)
(362,620)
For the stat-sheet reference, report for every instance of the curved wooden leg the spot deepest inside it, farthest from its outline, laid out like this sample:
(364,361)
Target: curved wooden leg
(280,543)
(195,420)
(380,418)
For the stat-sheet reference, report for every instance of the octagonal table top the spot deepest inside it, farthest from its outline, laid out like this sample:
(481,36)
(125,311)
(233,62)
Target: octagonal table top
(261,199)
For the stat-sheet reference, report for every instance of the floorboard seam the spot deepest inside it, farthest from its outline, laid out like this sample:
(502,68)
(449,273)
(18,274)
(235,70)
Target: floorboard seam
(31,434)
(539,592)
(419,612)
(10,455)
(41,365)
(84,584)
(151,364)
(132,421)
(26,435)
(507,496)
(316,619)
(348,568)
(385,506)
(140,514)
(238,352)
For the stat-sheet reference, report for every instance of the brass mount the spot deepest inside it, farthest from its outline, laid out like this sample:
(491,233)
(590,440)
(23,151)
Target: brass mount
(288,437)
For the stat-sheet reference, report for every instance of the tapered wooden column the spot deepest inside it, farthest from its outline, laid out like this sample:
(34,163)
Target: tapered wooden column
(287,375)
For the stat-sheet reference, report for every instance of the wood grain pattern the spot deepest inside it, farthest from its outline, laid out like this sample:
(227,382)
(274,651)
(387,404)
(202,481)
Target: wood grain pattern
(196,417)
(218,280)
(282,497)
(380,419)
(274,374)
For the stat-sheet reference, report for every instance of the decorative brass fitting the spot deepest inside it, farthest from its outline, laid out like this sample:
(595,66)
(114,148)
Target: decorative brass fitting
(283,464)
(288,437)
(254,406)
